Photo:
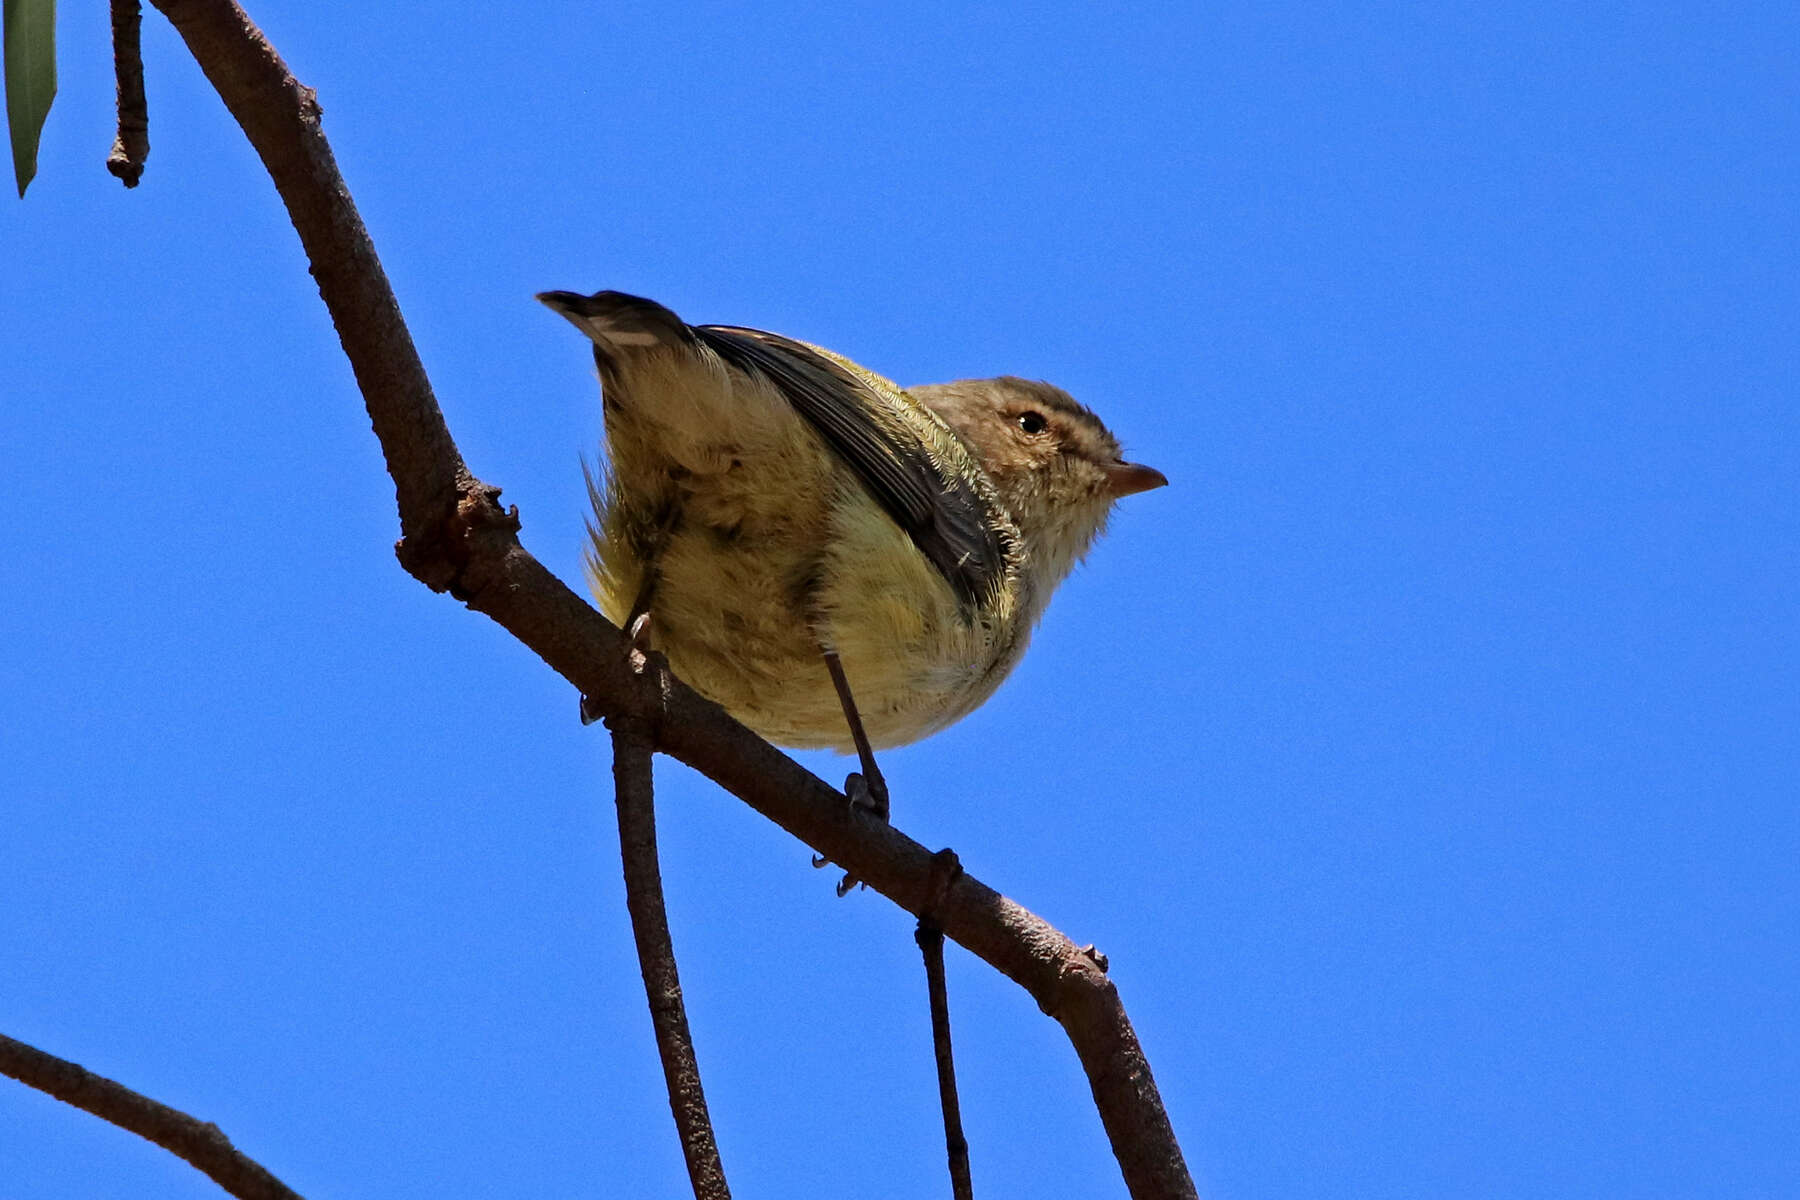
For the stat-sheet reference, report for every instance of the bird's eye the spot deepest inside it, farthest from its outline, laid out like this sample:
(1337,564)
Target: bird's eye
(1032,422)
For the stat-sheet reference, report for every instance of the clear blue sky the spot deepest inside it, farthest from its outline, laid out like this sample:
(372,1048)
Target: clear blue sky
(1425,756)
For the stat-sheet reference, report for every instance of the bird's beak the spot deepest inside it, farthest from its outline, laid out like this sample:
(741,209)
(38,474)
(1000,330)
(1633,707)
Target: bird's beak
(1128,479)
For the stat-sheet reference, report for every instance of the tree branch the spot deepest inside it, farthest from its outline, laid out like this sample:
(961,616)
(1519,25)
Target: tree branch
(931,946)
(281,119)
(634,791)
(199,1142)
(456,538)
(132,146)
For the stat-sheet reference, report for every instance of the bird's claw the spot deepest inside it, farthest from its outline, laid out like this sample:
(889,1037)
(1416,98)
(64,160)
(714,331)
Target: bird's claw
(867,794)
(639,633)
(637,656)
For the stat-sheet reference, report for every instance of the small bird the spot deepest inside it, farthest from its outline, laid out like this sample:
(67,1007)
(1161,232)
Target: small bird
(835,560)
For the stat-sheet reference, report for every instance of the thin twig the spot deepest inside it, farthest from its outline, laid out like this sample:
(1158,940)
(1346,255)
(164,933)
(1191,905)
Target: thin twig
(456,538)
(635,794)
(199,1142)
(132,147)
(931,945)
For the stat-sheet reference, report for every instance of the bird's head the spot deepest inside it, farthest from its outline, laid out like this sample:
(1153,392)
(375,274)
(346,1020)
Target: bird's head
(1057,468)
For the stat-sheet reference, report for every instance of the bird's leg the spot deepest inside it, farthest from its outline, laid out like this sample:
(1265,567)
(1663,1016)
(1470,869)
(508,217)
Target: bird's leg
(867,790)
(637,622)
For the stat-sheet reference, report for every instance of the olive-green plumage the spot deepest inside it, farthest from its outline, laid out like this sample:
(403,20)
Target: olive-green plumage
(767,500)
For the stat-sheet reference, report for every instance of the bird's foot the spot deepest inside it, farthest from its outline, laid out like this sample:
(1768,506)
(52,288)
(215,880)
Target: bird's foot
(637,657)
(867,794)
(639,633)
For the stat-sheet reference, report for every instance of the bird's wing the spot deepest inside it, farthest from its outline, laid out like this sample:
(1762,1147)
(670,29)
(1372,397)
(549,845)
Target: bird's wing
(946,515)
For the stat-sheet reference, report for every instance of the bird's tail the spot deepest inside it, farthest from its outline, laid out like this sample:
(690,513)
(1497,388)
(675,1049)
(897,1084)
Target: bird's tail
(617,323)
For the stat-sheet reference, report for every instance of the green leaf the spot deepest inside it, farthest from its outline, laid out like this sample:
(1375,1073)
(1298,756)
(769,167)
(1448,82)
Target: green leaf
(30,35)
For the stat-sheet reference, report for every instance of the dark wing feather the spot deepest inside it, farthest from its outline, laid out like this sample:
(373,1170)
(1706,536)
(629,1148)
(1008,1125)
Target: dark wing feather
(946,517)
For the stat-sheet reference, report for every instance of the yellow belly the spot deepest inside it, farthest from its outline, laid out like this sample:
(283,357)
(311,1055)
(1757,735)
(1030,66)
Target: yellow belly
(743,611)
